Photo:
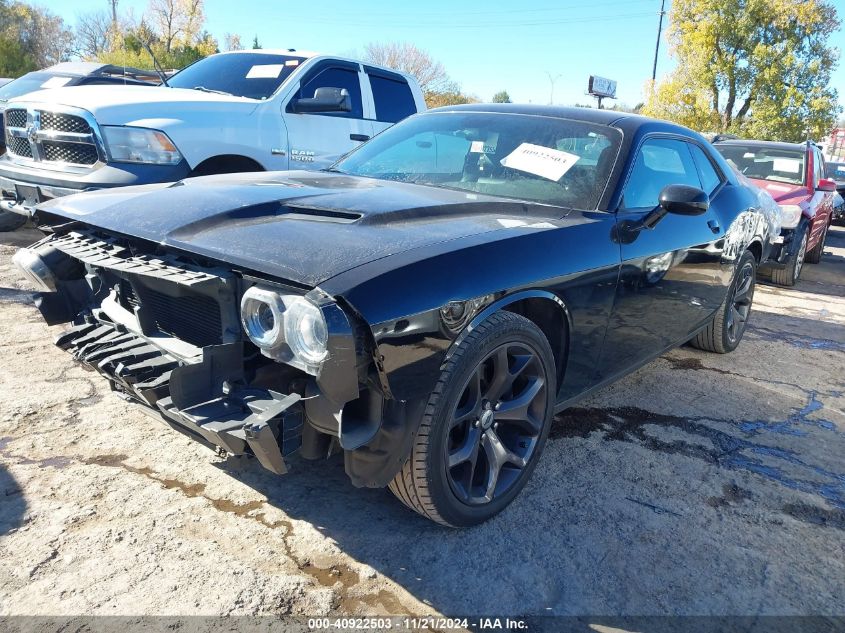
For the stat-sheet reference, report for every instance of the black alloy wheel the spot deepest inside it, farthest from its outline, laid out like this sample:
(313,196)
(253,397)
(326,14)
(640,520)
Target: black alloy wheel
(484,424)
(496,424)
(740,304)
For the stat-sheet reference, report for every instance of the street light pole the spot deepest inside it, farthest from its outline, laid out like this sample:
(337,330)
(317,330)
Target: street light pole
(657,45)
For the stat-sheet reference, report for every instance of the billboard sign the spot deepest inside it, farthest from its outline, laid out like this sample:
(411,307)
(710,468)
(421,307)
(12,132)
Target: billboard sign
(601,87)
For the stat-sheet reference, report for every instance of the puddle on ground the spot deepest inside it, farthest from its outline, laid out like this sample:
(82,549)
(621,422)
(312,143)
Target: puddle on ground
(801,341)
(628,424)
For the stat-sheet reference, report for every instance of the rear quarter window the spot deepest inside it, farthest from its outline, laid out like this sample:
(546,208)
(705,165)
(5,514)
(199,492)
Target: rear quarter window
(393,99)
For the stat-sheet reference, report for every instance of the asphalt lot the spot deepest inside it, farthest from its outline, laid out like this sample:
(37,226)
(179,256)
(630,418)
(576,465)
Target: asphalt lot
(701,484)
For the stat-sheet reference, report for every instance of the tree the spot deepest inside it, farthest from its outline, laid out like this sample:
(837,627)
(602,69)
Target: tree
(255,44)
(232,42)
(449,97)
(32,37)
(759,68)
(429,73)
(502,97)
(177,21)
(94,33)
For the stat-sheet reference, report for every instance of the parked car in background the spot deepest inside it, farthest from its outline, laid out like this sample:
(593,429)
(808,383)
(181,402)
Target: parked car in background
(836,172)
(64,75)
(424,305)
(232,112)
(794,174)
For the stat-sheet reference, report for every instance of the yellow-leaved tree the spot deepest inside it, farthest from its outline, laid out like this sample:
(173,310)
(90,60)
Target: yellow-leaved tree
(757,68)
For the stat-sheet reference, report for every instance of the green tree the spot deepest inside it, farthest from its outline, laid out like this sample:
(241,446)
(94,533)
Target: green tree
(759,68)
(502,97)
(31,37)
(255,44)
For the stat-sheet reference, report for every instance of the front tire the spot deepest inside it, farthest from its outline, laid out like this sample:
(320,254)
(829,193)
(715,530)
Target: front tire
(814,256)
(484,426)
(789,274)
(724,332)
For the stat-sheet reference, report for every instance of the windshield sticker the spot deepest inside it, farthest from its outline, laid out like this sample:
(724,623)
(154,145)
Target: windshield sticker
(56,82)
(265,71)
(789,165)
(477,147)
(292,62)
(545,162)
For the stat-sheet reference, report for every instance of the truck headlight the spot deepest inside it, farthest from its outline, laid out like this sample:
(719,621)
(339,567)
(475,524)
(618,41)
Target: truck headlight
(35,269)
(790,216)
(139,145)
(287,328)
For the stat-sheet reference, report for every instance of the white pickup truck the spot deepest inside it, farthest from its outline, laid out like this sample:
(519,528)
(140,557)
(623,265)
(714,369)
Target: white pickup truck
(231,112)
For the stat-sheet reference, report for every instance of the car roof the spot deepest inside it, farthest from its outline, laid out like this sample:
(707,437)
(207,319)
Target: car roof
(612,118)
(799,147)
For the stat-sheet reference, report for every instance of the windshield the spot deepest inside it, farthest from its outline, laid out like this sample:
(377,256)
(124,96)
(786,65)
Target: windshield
(835,171)
(542,159)
(253,75)
(766,163)
(31,82)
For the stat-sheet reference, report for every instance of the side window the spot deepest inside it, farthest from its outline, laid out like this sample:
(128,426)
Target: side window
(709,177)
(818,165)
(393,99)
(335,78)
(659,162)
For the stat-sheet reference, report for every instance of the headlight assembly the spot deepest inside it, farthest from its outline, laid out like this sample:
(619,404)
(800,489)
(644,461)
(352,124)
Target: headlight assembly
(139,145)
(287,328)
(790,215)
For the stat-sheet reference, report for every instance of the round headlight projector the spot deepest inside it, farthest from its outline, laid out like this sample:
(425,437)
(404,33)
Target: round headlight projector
(287,328)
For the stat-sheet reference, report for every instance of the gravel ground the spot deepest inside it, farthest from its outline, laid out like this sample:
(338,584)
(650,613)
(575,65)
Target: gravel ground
(700,484)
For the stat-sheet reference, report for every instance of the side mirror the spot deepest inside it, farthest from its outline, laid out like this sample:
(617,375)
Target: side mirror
(826,184)
(683,200)
(325,100)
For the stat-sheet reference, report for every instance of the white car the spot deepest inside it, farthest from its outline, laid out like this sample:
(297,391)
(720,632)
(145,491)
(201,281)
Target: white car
(231,112)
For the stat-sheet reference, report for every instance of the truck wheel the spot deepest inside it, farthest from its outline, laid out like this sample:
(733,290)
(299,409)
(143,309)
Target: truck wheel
(789,275)
(724,332)
(10,221)
(484,425)
(814,255)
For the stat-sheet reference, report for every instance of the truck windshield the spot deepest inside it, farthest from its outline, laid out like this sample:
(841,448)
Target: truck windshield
(252,75)
(31,82)
(835,171)
(555,161)
(765,163)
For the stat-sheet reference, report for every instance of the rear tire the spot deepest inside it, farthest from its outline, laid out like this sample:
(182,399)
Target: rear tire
(814,256)
(789,274)
(10,221)
(471,458)
(724,332)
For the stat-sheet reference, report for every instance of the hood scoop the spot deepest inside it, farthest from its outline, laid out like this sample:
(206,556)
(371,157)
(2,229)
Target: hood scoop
(264,213)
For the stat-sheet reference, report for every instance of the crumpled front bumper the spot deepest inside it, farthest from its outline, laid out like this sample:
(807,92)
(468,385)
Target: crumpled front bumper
(203,397)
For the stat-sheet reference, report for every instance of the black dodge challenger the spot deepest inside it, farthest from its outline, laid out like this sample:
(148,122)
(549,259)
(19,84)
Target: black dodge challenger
(424,306)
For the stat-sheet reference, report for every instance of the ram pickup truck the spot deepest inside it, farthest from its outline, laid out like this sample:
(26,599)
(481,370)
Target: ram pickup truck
(238,111)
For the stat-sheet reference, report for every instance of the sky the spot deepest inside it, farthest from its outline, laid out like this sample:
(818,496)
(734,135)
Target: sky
(537,50)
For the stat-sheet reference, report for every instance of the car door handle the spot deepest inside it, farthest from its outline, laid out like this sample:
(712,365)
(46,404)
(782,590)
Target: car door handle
(714,226)
(359,137)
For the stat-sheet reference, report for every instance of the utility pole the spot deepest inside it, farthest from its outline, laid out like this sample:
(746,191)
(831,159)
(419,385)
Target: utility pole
(657,45)
(552,81)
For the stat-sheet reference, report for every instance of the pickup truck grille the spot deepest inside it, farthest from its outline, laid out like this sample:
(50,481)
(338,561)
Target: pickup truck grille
(76,153)
(53,138)
(19,147)
(58,122)
(16,118)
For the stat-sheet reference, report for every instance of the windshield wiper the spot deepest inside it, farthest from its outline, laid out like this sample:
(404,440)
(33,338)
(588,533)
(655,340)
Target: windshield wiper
(217,92)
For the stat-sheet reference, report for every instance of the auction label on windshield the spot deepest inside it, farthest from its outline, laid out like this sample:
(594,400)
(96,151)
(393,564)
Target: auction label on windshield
(541,161)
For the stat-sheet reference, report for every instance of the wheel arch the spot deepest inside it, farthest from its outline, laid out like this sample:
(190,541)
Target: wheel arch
(543,308)
(226,164)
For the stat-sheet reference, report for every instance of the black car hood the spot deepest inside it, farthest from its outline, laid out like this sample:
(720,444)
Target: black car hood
(300,226)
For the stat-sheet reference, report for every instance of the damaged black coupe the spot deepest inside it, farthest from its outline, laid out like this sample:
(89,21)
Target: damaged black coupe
(424,306)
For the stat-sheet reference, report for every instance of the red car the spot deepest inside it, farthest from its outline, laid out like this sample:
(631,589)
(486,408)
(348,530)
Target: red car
(794,175)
